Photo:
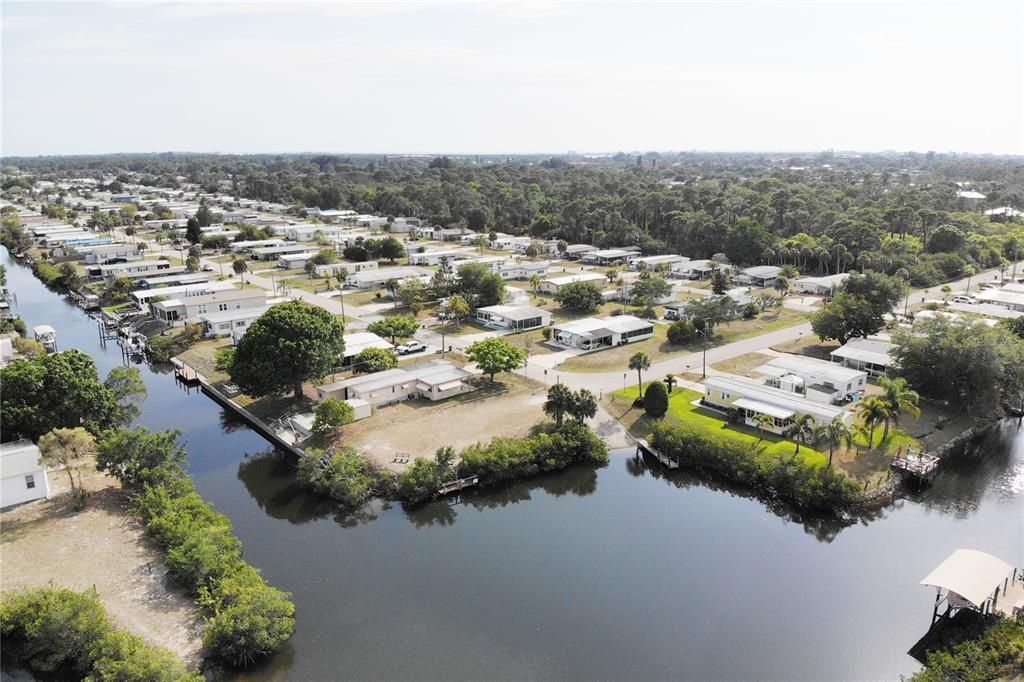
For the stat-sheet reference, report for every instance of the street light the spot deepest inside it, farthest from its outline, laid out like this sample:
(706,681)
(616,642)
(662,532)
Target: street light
(704,359)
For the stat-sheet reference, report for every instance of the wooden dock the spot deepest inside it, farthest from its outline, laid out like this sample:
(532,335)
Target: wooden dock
(666,461)
(919,465)
(185,373)
(458,484)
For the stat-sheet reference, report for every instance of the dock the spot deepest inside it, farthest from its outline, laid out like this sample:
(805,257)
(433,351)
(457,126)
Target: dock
(185,373)
(643,446)
(458,484)
(919,465)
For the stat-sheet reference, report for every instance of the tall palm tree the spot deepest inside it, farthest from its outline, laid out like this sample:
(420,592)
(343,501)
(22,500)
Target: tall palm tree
(801,430)
(392,286)
(535,281)
(899,399)
(640,362)
(789,271)
(873,411)
(835,432)
(240,266)
(781,285)
(560,400)
(970,271)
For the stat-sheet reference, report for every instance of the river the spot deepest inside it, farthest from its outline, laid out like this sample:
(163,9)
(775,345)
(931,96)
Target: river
(620,572)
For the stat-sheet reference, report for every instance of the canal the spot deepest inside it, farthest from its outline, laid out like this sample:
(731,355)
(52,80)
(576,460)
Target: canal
(615,573)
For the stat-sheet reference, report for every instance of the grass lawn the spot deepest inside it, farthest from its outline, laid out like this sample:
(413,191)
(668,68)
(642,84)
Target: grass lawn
(743,364)
(682,413)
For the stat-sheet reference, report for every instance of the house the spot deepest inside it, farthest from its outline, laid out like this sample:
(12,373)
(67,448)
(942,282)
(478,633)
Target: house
(510,243)
(552,286)
(513,317)
(593,333)
(432,380)
(335,268)
(865,354)
(693,269)
(190,308)
(375,279)
(143,296)
(111,271)
(438,256)
(576,251)
(99,254)
(275,252)
(759,276)
(357,342)
(174,280)
(820,286)
(524,270)
(294,261)
(724,393)
(22,474)
(666,260)
(451,234)
(970,194)
(232,322)
(1006,297)
(607,256)
(250,244)
(817,380)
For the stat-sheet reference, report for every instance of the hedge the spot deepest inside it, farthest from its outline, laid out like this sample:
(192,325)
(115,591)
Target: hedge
(805,487)
(997,654)
(59,633)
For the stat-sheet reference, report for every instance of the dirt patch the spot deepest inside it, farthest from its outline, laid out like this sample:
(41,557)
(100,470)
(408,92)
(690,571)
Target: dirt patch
(809,345)
(742,365)
(509,407)
(104,547)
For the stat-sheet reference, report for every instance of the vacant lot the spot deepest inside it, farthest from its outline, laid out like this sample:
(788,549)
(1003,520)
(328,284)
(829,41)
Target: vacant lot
(742,364)
(104,547)
(510,407)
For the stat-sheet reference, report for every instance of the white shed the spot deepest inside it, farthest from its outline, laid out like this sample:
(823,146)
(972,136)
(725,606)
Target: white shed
(22,473)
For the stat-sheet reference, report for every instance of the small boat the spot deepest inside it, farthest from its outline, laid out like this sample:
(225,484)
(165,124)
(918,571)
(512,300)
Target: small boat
(46,335)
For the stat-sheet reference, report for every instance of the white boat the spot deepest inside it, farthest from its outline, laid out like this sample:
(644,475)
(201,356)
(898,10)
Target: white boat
(46,335)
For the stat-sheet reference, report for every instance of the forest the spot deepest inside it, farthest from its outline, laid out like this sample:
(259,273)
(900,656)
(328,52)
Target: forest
(827,212)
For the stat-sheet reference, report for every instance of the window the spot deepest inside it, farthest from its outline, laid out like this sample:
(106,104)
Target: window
(30,481)
(222,307)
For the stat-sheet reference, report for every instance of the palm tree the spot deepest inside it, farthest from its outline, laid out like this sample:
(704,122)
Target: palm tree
(240,266)
(392,286)
(835,432)
(535,281)
(762,422)
(970,271)
(873,411)
(789,271)
(583,405)
(640,361)
(781,285)
(560,400)
(801,430)
(670,381)
(900,399)
(342,275)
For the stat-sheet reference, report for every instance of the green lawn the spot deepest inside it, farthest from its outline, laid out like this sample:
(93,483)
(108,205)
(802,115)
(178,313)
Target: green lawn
(682,413)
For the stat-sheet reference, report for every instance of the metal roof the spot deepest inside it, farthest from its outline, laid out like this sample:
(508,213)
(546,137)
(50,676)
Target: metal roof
(865,350)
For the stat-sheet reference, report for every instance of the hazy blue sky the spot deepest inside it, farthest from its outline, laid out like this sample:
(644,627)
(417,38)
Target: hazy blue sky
(425,78)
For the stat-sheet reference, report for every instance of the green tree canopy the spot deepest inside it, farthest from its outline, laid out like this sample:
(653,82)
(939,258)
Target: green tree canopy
(60,390)
(845,317)
(581,297)
(496,355)
(395,327)
(139,457)
(370,360)
(289,344)
(656,399)
(330,414)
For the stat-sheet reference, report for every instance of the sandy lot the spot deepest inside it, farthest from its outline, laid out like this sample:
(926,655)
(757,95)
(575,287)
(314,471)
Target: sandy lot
(510,407)
(103,547)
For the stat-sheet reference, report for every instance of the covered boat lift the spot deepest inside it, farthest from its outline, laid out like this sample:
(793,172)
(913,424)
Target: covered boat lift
(969,579)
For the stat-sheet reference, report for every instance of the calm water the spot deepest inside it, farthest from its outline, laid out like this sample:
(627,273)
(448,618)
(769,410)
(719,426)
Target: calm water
(614,573)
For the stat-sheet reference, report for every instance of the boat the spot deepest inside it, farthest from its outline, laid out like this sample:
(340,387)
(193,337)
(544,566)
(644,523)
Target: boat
(46,335)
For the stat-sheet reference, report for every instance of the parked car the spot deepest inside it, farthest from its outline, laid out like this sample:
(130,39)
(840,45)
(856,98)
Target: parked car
(410,347)
(963,299)
(207,268)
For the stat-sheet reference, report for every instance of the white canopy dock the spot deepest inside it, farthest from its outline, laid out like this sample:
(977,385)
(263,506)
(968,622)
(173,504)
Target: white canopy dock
(976,580)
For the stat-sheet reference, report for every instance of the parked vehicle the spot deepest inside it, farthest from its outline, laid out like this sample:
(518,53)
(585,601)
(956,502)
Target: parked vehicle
(963,299)
(410,347)
(207,268)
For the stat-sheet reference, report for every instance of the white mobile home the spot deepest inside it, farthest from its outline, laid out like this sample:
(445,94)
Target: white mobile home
(723,393)
(667,260)
(593,333)
(820,286)
(143,296)
(759,276)
(432,380)
(817,380)
(231,322)
(865,354)
(524,270)
(357,342)
(693,269)
(513,317)
(436,257)
(375,279)
(576,251)
(190,308)
(552,285)
(22,474)
(294,261)
(608,256)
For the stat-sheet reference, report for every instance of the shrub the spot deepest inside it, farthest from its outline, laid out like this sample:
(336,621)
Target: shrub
(344,476)
(330,414)
(680,332)
(656,399)
(66,634)
(420,481)
(997,654)
(806,487)
(371,360)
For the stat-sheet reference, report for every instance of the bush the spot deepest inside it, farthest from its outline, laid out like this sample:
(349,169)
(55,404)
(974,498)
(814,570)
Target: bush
(805,487)
(680,332)
(161,349)
(997,654)
(344,476)
(330,414)
(371,360)
(66,634)
(656,399)
(582,297)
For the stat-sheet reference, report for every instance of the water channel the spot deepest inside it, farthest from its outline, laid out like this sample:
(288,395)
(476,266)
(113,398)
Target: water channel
(619,573)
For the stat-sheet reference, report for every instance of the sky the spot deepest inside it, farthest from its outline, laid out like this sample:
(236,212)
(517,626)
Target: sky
(491,78)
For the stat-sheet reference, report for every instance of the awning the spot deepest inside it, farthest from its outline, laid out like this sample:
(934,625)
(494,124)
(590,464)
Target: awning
(971,574)
(764,408)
